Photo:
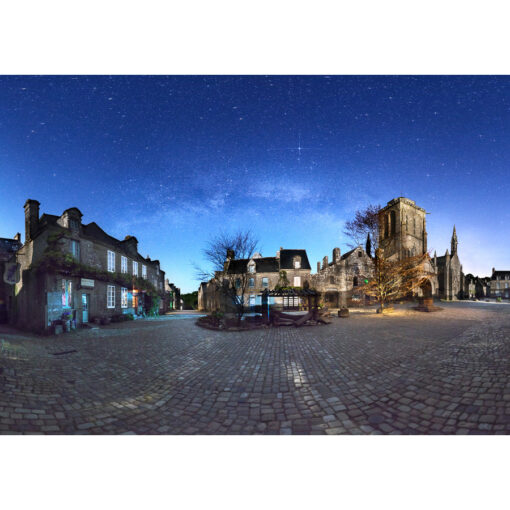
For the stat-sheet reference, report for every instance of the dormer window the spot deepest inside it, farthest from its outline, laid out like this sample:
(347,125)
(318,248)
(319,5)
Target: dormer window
(251,268)
(360,254)
(73,224)
(297,263)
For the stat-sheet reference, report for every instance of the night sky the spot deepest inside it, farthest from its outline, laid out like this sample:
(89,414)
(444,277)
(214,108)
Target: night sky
(174,160)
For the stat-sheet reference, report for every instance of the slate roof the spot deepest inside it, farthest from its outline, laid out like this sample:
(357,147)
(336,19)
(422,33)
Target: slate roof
(271,264)
(501,272)
(286,257)
(262,265)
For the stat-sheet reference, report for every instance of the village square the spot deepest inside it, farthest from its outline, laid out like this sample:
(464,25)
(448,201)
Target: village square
(383,339)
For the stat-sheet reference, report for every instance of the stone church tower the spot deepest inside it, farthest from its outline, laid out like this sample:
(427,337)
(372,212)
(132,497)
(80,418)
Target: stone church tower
(402,229)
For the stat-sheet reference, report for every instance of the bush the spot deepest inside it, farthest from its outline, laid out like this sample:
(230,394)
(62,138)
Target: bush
(498,300)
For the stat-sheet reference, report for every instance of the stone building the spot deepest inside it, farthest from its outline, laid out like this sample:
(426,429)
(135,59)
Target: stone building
(264,273)
(8,274)
(339,280)
(476,287)
(402,234)
(76,269)
(499,285)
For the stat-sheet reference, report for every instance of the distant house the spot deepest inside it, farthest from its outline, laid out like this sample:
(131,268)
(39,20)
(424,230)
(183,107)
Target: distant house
(264,273)
(78,270)
(172,296)
(499,284)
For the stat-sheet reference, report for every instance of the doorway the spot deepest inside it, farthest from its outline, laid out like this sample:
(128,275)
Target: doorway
(85,307)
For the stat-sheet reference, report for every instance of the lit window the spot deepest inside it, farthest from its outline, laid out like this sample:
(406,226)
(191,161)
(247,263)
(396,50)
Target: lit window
(265,282)
(251,282)
(75,249)
(111,261)
(144,271)
(297,281)
(123,297)
(123,264)
(67,288)
(135,268)
(110,296)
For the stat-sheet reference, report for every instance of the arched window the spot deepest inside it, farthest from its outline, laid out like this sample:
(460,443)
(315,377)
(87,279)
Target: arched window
(355,281)
(393,222)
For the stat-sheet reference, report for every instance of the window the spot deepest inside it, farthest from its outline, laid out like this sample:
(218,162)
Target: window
(251,282)
(123,264)
(144,271)
(297,262)
(75,249)
(360,254)
(355,281)
(297,281)
(386,225)
(252,300)
(67,293)
(110,296)
(73,225)
(251,268)
(265,282)
(238,283)
(135,268)
(123,297)
(393,222)
(331,279)
(111,261)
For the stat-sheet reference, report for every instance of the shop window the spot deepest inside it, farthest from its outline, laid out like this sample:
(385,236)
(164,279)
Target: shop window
(123,297)
(67,293)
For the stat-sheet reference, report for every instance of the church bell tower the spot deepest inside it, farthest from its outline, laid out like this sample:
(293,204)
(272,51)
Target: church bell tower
(402,229)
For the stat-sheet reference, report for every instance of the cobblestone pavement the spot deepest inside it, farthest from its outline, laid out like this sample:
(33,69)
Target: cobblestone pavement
(410,373)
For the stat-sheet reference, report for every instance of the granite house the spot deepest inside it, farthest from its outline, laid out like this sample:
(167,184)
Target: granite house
(68,269)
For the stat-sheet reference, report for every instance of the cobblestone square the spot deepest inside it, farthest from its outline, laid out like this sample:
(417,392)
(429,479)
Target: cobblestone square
(409,373)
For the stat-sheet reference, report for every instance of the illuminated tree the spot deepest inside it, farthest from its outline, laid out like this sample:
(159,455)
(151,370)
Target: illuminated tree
(394,279)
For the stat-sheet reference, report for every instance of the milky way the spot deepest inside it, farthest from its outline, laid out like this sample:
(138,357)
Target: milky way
(173,160)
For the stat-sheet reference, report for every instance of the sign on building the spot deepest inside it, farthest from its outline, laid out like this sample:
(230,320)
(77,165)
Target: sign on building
(85,282)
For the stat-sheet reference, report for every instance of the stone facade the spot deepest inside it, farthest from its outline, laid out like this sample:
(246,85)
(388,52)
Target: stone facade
(8,249)
(402,234)
(476,287)
(42,297)
(338,280)
(263,273)
(499,285)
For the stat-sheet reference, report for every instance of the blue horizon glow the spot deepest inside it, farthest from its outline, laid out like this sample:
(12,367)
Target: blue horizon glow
(175,160)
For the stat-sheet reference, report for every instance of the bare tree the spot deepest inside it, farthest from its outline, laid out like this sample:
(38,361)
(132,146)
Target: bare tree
(227,256)
(364,226)
(394,279)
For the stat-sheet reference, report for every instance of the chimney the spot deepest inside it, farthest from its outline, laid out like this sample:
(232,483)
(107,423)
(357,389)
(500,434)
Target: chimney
(318,267)
(31,218)
(325,262)
(336,255)
(17,237)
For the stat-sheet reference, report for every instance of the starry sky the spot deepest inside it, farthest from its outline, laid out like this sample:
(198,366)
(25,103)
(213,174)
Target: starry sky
(174,160)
